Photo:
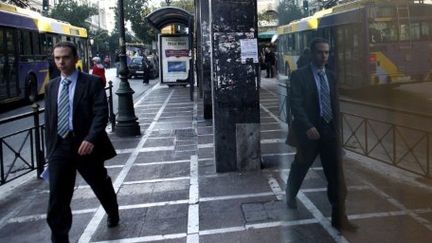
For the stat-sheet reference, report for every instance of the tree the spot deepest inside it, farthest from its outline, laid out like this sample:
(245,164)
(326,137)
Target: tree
(267,18)
(70,11)
(136,11)
(187,5)
(100,39)
(288,11)
(19,3)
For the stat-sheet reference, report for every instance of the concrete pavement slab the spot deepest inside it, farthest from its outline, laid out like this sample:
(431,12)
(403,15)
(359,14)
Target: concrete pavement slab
(153,192)
(233,184)
(165,194)
(159,171)
(145,222)
(37,230)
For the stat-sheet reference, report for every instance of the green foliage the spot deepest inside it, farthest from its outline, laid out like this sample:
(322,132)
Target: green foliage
(288,11)
(19,3)
(70,11)
(100,38)
(135,11)
(187,5)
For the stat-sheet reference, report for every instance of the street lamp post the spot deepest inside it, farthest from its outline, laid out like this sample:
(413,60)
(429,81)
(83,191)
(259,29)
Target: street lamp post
(127,124)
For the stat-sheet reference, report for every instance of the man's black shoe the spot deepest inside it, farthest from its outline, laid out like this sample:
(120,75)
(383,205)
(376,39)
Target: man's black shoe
(344,225)
(292,203)
(113,221)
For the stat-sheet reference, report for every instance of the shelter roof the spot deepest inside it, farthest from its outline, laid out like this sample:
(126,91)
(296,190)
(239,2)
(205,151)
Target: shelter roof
(169,15)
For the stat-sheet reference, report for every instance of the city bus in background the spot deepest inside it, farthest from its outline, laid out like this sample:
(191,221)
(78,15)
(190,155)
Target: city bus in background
(26,42)
(373,42)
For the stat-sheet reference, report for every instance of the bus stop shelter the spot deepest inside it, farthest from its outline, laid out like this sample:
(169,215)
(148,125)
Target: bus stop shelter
(175,49)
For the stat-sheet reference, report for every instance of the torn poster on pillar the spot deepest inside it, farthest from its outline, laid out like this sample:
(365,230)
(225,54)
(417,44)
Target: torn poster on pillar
(228,71)
(249,50)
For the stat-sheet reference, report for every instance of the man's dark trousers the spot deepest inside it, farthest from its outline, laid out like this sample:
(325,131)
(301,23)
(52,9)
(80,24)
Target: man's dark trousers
(329,150)
(63,165)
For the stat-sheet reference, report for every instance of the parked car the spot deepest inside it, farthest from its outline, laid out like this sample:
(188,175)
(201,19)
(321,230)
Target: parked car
(136,68)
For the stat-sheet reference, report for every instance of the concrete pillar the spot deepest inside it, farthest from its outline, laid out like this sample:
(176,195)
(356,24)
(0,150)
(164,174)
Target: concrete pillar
(198,41)
(205,57)
(235,85)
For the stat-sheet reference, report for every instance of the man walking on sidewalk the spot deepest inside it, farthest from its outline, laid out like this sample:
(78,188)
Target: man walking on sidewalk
(76,113)
(315,107)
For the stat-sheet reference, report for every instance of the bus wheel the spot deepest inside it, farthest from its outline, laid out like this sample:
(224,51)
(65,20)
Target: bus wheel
(31,94)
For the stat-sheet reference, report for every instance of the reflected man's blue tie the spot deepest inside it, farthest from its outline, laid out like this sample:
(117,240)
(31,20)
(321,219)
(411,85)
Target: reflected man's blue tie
(325,101)
(63,109)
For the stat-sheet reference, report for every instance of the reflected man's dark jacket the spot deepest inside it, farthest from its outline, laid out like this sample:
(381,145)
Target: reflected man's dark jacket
(304,101)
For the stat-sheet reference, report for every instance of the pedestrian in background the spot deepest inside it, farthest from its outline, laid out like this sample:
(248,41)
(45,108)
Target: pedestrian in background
(76,114)
(99,70)
(315,107)
(270,61)
(117,61)
(107,61)
(146,69)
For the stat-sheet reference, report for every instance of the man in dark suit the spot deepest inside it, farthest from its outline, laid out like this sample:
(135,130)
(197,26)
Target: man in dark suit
(76,114)
(315,108)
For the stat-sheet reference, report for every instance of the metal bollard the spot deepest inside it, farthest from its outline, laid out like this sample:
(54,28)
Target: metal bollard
(39,154)
(111,107)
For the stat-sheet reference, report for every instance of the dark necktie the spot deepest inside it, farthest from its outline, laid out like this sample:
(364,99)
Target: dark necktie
(327,114)
(63,109)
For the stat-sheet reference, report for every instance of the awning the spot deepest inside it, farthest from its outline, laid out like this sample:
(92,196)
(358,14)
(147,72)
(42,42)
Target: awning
(169,15)
(266,35)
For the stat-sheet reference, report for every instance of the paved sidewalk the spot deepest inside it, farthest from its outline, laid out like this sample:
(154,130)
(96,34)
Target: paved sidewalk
(168,190)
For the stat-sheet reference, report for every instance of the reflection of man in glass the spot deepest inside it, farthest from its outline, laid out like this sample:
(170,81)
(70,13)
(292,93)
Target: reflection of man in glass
(315,107)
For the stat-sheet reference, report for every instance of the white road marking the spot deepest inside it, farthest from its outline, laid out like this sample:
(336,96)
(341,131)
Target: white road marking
(423,221)
(206,145)
(150,238)
(156,180)
(274,185)
(325,223)
(147,149)
(97,218)
(154,204)
(238,196)
(276,140)
(162,163)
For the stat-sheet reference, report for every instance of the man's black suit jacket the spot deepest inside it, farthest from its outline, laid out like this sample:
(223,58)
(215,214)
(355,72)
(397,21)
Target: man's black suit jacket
(304,102)
(90,116)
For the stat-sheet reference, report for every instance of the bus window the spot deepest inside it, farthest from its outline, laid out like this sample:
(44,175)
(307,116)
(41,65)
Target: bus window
(307,38)
(35,43)
(25,43)
(297,44)
(382,32)
(404,32)
(425,30)
(10,72)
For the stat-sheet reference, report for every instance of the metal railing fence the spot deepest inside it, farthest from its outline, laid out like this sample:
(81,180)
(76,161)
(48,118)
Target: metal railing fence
(407,148)
(23,151)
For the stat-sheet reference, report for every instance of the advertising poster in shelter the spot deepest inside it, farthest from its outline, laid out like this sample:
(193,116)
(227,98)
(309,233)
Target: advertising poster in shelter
(175,58)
